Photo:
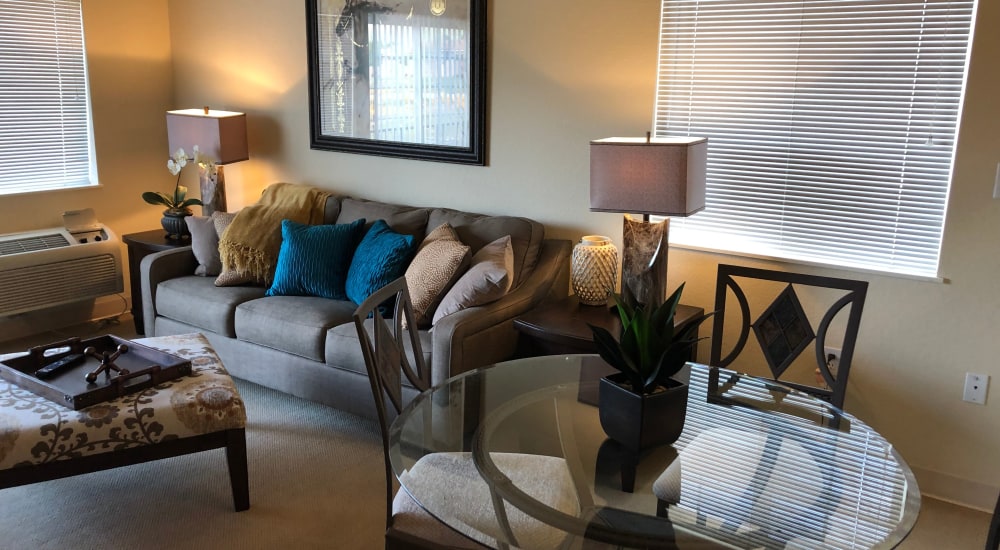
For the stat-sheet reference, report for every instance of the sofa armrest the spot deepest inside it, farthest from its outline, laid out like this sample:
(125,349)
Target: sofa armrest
(483,335)
(156,268)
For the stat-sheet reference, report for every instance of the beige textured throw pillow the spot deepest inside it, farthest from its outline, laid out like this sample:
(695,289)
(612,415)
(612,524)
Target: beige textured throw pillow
(487,280)
(437,264)
(227,277)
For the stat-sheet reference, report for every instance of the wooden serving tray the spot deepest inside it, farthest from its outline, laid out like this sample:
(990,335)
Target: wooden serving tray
(69,388)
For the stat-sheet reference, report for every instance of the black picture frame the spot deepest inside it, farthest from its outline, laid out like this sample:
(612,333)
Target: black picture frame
(473,152)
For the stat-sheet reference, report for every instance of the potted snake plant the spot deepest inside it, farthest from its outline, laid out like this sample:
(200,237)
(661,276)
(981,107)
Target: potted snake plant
(642,405)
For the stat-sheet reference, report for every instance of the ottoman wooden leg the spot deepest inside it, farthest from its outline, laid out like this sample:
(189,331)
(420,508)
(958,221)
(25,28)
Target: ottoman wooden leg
(239,477)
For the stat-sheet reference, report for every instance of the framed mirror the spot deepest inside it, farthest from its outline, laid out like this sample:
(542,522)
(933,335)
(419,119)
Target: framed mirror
(400,78)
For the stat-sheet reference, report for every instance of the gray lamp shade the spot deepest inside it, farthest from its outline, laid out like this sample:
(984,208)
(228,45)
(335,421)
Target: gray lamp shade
(662,176)
(220,135)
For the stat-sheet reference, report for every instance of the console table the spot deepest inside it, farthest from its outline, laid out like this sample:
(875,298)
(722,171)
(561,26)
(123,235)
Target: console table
(141,245)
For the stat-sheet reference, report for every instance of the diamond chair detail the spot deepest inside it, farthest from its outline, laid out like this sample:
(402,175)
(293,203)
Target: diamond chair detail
(392,351)
(783,331)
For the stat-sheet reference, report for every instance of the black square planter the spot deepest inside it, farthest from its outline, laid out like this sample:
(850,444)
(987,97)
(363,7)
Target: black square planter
(639,422)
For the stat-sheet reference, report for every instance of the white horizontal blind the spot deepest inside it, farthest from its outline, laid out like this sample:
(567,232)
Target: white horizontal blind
(831,124)
(45,133)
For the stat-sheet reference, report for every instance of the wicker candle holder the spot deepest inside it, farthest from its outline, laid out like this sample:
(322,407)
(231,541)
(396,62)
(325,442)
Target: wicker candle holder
(594,269)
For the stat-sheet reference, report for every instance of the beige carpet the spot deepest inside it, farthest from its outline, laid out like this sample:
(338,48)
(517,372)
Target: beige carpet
(316,481)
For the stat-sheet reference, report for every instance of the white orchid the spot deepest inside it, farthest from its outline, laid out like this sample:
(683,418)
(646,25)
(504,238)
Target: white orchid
(178,201)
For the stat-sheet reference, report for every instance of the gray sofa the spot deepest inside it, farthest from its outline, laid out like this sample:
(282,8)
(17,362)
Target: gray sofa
(308,347)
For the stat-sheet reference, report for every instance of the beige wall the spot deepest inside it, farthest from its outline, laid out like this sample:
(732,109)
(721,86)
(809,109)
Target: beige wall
(562,72)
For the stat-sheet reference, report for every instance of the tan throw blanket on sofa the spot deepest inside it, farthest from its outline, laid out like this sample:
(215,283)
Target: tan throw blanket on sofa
(249,246)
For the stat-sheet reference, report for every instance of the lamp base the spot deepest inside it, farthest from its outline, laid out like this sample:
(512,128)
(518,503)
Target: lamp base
(213,190)
(644,259)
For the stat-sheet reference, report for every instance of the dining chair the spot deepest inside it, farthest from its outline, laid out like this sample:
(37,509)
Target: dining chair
(782,330)
(392,353)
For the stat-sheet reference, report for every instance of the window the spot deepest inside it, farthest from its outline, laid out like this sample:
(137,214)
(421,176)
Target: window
(831,124)
(45,130)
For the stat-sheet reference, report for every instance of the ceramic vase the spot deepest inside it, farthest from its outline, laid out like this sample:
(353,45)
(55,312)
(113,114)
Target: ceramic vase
(594,269)
(174,224)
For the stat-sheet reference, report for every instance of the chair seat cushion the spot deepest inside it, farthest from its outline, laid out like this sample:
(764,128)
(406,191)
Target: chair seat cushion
(545,478)
(408,517)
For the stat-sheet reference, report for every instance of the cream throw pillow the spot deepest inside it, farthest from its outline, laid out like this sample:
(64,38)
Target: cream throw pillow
(487,280)
(438,263)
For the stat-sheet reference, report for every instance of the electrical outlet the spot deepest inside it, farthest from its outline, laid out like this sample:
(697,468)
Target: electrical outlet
(976,386)
(832,358)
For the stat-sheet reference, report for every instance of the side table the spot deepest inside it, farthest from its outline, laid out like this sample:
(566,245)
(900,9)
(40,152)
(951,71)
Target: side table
(141,245)
(560,327)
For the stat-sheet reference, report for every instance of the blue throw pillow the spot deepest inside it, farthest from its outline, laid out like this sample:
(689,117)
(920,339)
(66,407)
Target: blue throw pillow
(380,259)
(314,259)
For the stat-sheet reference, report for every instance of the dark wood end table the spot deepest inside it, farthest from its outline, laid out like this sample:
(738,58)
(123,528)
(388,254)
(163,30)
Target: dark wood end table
(560,327)
(141,245)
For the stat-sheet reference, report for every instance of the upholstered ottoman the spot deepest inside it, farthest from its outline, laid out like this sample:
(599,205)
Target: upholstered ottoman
(42,440)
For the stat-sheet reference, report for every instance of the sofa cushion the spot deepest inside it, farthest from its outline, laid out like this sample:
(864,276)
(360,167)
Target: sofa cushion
(402,219)
(198,302)
(439,262)
(344,351)
(381,257)
(314,259)
(477,230)
(488,279)
(293,324)
(204,245)
(332,209)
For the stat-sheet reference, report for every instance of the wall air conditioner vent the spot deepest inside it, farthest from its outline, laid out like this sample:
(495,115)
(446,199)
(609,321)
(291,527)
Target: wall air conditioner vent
(33,243)
(42,269)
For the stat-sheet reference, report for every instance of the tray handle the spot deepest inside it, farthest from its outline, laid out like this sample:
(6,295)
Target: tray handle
(38,352)
(120,381)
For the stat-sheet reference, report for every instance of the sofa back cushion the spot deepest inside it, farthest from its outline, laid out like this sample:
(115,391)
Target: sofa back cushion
(478,230)
(332,210)
(407,220)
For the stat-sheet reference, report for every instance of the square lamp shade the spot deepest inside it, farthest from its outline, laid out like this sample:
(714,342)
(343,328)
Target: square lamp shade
(661,176)
(221,136)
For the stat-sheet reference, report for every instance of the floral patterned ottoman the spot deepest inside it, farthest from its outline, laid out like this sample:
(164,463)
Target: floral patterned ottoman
(41,440)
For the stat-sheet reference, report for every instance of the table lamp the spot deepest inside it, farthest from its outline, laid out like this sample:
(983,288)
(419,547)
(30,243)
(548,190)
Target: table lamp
(661,176)
(221,136)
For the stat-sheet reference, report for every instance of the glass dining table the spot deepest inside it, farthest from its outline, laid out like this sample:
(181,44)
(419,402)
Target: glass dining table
(758,465)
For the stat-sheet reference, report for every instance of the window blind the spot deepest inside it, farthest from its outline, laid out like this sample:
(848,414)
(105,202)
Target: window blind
(831,124)
(45,131)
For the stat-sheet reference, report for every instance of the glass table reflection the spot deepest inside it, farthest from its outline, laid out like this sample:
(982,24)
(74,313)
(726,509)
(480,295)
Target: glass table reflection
(757,466)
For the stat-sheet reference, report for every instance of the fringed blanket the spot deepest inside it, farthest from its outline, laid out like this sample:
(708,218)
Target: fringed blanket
(249,246)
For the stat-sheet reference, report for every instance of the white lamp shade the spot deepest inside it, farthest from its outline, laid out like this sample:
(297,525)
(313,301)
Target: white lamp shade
(220,135)
(662,176)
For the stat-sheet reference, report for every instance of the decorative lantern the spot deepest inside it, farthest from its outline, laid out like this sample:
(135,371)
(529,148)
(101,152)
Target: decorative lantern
(594,269)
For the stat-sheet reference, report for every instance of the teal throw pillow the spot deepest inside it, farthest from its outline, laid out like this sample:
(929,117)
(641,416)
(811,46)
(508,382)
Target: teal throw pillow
(314,259)
(380,259)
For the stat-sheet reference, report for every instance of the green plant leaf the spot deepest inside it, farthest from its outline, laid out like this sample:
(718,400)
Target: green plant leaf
(180,192)
(156,198)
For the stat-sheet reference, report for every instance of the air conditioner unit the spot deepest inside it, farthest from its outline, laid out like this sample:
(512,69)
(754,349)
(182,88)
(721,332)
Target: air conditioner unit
(51,267)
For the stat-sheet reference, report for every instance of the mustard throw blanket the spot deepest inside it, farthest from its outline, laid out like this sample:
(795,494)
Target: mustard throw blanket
(249,246)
